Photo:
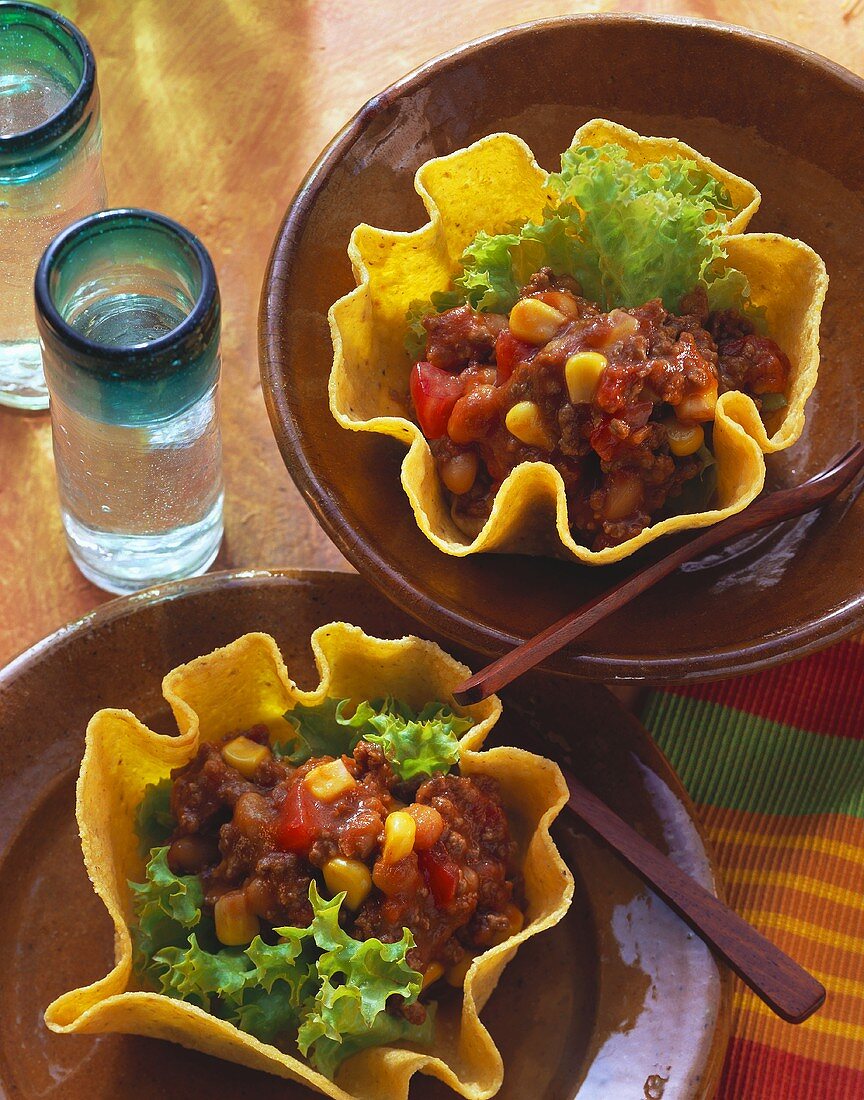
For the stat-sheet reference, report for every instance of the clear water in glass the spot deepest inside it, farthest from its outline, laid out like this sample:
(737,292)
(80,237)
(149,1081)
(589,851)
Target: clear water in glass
(40,192)
(138,501)
(27,223)
(27,99)
(136,433)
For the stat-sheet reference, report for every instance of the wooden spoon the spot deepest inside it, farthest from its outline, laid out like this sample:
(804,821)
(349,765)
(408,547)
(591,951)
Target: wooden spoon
(769,510)
(773,976)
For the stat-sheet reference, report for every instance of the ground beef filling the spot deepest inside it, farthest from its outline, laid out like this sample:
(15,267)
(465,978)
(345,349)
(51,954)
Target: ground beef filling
(263,839)
(494,391)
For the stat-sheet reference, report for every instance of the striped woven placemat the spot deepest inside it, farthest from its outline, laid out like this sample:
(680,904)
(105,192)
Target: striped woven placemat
(775,765)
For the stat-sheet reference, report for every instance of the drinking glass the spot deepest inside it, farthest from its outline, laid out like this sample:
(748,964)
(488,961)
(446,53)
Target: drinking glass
(50,171)
(128,311)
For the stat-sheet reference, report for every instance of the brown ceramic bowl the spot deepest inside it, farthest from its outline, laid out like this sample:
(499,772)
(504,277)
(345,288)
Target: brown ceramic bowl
(619,991)
(782,117)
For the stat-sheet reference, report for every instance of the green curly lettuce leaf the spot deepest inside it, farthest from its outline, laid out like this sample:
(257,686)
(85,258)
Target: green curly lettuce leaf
(357,977)
(291,961)
(267,1016)
(192,974)
(627,233)
(178,897)
(495,268)
(166,906)
(488,280)
(644,232)
(374,970)
(318,732)
(260,989)
(425,744)
(414,744)
(328,1054)
(154,821)
(318,983)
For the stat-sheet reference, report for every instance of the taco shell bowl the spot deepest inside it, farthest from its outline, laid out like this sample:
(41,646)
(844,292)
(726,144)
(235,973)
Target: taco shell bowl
(242,685)
(488,187)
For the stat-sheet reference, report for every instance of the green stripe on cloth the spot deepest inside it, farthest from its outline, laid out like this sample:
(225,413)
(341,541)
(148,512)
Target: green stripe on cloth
(739,761)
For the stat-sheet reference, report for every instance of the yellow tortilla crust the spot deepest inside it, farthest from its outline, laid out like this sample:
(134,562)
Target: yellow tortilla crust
(488,186)
(239,686)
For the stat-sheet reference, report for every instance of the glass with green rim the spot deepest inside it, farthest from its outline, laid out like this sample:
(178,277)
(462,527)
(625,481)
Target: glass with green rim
(128,309)
(50,171)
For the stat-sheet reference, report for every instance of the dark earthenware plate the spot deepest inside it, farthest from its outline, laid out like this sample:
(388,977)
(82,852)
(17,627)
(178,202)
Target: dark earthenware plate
(785,119)
(618,992)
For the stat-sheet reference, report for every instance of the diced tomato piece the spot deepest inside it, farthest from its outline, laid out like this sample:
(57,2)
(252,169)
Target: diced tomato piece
(295,831)
(440,874)
(509,353)
(603,439)
(434,392)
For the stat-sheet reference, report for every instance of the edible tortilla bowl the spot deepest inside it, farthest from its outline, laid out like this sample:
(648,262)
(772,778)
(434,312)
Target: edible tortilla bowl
(239,686)
(489,186)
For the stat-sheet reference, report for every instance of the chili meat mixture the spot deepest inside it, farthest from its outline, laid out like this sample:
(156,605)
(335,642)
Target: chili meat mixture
(618,402)
(433,855)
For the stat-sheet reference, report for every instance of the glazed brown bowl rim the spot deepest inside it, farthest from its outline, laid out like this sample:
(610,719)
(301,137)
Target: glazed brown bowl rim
(120,607)
(449,620)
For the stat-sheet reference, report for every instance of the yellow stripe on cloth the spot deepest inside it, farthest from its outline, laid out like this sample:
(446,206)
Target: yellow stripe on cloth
(782,922)
(822,1037)
(840,985)
(792,880)
(783,807)
(798,834)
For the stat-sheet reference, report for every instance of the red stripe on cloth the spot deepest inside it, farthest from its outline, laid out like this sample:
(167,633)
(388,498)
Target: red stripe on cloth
(823,693)
(756,1072)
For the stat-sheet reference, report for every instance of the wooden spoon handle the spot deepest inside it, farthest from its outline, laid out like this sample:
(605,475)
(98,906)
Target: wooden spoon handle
(772,975)
(772,509)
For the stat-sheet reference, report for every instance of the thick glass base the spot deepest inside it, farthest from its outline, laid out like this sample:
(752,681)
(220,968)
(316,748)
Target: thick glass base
(22,383)
(127,563)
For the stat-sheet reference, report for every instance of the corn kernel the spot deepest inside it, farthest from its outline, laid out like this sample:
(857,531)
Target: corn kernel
(329,781)
(684,439)
(236,925)
(534,321)
(349,875)
(245,755)
(399,834)
(458,972)
(582,374)
(524,421)
(697,406)
(433,972)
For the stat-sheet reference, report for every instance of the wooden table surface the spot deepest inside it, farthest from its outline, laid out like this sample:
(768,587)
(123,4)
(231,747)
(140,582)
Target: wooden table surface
(213,110)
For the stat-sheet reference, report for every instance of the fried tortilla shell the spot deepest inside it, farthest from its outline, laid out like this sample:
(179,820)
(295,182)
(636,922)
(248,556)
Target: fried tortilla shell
(489,186)
(239,686)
